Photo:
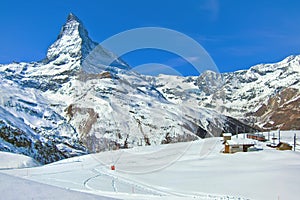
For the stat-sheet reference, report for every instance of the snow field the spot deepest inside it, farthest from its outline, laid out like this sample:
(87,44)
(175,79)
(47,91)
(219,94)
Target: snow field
(177,171)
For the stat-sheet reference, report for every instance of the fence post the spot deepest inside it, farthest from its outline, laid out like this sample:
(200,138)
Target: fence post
(295,142)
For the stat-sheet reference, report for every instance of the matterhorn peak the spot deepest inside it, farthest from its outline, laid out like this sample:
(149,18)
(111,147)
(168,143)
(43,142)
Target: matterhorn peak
(73,49)
(72,17)
(72,42)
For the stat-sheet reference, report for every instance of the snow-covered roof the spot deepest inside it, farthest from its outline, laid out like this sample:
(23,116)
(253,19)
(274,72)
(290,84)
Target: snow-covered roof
(227,134)
(240,141)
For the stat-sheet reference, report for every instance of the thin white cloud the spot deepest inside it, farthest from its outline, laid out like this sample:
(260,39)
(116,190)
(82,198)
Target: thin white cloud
(178,61)
(155,69)
(193,58)
(211,6)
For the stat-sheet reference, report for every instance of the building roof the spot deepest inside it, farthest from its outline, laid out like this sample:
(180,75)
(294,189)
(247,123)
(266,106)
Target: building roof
(256,134)
(227,134)
(240,141)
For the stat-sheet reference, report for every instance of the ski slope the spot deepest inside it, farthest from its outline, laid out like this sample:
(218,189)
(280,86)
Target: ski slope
(175,171)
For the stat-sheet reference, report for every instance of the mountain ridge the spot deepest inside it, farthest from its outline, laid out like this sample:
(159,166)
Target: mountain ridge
(244,93)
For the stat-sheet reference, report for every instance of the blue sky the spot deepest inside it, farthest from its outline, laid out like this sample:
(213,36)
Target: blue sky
(236,33)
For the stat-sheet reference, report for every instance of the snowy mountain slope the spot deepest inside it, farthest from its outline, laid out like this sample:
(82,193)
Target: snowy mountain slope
(248,95)
(30,126)
(120,110)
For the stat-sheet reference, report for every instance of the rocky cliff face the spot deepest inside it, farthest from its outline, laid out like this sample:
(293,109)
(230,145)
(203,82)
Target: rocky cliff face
(281,111)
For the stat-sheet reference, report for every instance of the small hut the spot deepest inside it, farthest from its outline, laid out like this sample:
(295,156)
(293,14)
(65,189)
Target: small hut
(238,145)
(284,146)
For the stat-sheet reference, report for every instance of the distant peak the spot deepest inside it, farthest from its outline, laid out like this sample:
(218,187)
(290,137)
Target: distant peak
(73,40)
(73,43)
(73,27)
(72,17)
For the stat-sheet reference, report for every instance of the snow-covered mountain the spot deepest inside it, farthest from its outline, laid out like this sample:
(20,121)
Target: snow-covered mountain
(265,96)
(72,103)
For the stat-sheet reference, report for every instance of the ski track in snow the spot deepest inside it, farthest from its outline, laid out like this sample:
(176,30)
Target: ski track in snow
(206,149)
